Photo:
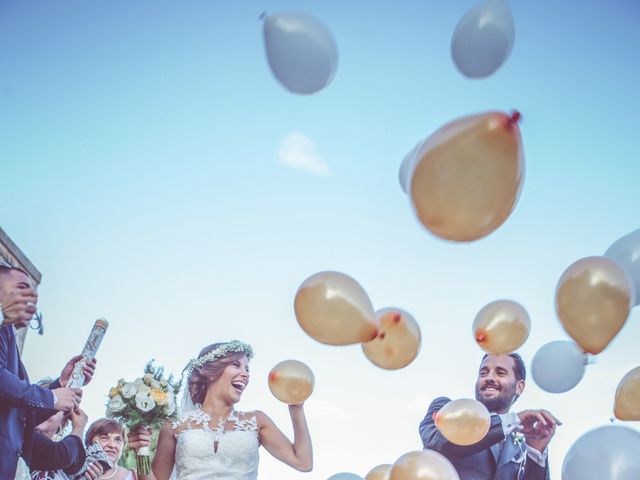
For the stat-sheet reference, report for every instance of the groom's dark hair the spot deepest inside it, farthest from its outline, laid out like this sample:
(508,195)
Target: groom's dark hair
(519,369)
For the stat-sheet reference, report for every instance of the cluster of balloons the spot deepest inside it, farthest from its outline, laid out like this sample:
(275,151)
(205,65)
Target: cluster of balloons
(418,465)
(291,381)
(300,50)
(334,309)
(465,179)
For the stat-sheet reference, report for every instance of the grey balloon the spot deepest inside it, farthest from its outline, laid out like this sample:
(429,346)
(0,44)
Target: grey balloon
(483,39)
(558,366)
(605,453)
(345,476)
(626,253)
(301,51)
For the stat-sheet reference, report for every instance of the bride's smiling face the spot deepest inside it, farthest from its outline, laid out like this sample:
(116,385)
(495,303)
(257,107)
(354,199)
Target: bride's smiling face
(234,379)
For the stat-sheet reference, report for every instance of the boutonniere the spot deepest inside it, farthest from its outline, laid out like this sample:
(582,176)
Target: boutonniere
(518,438)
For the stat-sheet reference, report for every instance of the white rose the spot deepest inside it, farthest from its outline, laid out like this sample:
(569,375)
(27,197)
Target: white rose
(129,390)
(138,381)
(121,382)
(147,378)
(145,403)
(115,404)
(143,390)
(155,384)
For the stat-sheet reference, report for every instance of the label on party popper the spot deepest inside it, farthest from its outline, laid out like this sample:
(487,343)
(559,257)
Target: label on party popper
(88,352)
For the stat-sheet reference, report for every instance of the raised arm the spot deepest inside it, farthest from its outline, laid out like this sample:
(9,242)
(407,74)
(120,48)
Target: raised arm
(298,454)
(434,440)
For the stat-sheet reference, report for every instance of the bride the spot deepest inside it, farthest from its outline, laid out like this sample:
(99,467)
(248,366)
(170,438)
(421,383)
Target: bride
(212,439)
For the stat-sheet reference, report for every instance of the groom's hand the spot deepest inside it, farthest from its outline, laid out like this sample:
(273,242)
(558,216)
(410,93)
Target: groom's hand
(88,370)
(538,427)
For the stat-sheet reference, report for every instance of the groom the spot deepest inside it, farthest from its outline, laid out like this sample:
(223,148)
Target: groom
(515,448)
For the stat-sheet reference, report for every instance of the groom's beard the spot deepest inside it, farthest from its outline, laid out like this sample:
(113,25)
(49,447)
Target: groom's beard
(499,403)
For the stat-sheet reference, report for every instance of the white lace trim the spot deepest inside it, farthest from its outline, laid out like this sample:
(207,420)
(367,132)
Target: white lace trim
(198,419)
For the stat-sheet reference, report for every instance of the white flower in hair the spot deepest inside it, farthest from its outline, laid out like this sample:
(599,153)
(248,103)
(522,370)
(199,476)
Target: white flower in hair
(234,346)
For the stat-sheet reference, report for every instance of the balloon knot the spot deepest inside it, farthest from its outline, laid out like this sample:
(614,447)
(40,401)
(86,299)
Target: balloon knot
(480,337)
(381,335)
(262,15)
(396,318)
(273,376)
(515,117)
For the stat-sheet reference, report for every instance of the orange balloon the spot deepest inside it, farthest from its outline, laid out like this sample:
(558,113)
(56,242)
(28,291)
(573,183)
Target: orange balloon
(501,327)
(333,308)
(468,176)
(398,341)
(463,421)
(627,403)
(381,472)
(423,465)
(593,300)
(291,381)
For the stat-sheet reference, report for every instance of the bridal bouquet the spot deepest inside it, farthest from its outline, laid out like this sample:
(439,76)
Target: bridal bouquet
(149,401)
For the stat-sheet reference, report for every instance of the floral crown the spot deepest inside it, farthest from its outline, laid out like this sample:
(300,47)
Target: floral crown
(234,346)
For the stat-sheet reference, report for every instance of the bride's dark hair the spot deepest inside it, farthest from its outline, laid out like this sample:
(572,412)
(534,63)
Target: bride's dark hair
(203,376)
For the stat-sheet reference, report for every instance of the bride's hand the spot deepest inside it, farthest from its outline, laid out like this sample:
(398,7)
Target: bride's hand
(139,437)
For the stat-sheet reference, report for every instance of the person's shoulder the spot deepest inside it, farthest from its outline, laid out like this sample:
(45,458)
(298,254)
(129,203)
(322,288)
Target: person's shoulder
(439,402)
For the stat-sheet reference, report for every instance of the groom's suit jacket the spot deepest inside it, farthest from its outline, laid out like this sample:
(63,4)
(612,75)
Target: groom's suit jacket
(492,458)
(22,406)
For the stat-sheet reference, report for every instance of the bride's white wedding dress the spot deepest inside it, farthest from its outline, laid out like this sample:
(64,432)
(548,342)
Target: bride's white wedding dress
(226,452)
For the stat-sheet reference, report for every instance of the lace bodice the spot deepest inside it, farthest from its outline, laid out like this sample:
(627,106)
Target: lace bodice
(227,452)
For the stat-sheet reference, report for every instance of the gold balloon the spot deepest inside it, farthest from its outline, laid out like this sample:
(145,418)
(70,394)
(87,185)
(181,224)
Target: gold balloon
(291,381)
(468,176)
(398,341)
(423,465)
(593,300)
(333,308)
(501,327)
(627,403)
(463,421)
(381,472)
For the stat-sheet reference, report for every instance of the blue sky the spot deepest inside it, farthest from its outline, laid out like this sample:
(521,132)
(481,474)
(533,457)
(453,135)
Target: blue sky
(140,158)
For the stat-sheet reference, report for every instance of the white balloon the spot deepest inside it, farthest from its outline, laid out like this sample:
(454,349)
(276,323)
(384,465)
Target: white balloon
(626,253)
(605,453)
(408,164)
(483,39)
(345,476)
(558,366)
(301,51)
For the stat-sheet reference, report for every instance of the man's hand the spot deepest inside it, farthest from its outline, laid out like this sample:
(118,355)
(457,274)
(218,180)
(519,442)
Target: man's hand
(19,306)
(538,427)
(89,369)
(79,420)
(139,437)
(68,399)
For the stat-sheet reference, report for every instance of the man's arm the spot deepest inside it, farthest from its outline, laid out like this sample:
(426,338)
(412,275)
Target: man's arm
(68,454)
(434,440)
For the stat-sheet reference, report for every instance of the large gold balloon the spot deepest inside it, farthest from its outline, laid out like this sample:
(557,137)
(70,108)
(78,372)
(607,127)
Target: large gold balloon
(291,381)
(398,341)
(468,176)
(334,309)
(627,403)
(423,465)
(463,421)
(501,327)
(593,299)
(381,472)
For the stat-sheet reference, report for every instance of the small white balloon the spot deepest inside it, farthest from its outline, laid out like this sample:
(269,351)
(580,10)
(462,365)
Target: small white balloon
(483,39)
(558,366)
(605,453)
(345,476)
(626,253)
(408,164)
(301,51)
